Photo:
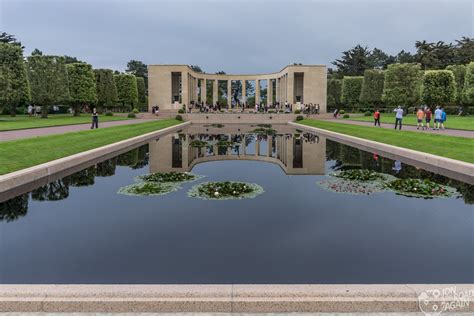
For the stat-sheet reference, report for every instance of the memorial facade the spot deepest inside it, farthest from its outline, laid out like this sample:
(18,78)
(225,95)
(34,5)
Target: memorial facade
(172,87)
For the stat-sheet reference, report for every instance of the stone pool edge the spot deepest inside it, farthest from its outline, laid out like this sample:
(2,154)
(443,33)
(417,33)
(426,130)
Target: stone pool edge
(22,177)
(241,298)
(441,165)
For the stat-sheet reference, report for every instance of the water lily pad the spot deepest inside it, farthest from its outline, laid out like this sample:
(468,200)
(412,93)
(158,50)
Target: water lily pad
(173,177)
(420,188)
(339,185)
(226,190)
(148,189)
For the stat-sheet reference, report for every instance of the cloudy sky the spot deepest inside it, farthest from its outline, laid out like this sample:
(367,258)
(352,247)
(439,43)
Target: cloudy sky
(237,36)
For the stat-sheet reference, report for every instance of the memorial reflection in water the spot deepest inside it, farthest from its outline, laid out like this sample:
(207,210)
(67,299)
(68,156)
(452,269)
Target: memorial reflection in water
(295,152)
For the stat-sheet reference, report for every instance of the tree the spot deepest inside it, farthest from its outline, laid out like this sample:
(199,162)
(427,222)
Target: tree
(334,93)
(196,68)
(127,91)
(438,87)
(379,59)
(48,81)
(71,60)
(459,72)
(82,86)
(464,51)
(105,87)
(10,39)
(404,57)
(402,85)
(36,51)
(353,61)
(351,87)
(139,69)
(372,86)
(141,90)
(468,91)
(14,86)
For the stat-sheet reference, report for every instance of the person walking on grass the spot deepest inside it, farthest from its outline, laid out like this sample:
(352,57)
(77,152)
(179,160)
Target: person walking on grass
(443,117)
(95,119)
(438,114)
(428,115)
(377,117)
(398,117)
(420,115)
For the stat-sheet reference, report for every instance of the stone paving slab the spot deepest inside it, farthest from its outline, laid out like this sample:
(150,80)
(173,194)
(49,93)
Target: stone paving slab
(42,131)
(448,131)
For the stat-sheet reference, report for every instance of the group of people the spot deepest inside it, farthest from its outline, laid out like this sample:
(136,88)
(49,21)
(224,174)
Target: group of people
(155,109)
(423,115)
(259,107)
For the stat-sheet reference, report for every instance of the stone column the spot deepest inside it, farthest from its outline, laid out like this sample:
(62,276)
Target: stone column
(203,91)
(290,89)
(269,146)
(229,93)
(244,92)
(257,91)
(196,89)
(269,92)
(215,93)
(277,86)
(185,89)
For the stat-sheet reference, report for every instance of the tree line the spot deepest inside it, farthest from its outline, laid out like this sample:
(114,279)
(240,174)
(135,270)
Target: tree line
(437,74)
(47,80)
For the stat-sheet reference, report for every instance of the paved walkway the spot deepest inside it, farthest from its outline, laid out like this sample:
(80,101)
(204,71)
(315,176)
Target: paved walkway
(449,132)
(34,132)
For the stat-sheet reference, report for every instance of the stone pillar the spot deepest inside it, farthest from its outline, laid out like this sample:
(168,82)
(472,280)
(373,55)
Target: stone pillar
(185,89)
(203,91)
(215,93)
(257,91)
(229,94)
(277,84)
(196,90)
(244,92)
(290,88)
(269,92)
(269,146)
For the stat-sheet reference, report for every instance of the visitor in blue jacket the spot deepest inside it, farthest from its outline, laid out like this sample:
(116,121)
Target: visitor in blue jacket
(443,117)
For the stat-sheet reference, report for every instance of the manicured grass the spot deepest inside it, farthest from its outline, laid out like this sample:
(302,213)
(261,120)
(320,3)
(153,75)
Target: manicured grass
(23,153)
(453,121)
(24,121)
(460,148)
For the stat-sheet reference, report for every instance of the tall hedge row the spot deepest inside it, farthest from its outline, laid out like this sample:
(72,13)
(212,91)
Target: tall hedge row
(334,88)
(105,87)
(372,86)
(468,90)
(141,90)
(459,72)
(82,87)
(402,85)
(438,87)
(351,88)
(127,91)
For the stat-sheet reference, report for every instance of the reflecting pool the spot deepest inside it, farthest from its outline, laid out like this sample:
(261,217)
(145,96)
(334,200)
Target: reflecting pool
(78,229)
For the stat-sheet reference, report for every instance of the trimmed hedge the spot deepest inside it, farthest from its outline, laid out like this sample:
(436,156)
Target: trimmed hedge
(438,87)
(372,86)
(468,90)
(351,88)
(402,85)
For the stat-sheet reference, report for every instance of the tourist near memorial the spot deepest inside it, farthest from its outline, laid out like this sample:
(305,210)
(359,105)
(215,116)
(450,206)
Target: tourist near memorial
(261,178)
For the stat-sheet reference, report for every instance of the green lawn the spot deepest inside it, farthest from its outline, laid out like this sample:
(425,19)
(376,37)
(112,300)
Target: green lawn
(453,121)
(459,148)
(24,121)
(23,153)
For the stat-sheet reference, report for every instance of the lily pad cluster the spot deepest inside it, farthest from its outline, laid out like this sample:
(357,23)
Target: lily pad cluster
(420,188)
(226,190)
(158,183)
(362,181)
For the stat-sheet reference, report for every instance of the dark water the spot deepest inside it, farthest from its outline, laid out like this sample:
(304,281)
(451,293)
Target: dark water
(79,230)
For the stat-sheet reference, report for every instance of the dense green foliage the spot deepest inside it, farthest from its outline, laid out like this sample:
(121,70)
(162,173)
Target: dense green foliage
(23,153)
(372,86)
(225,190)
(14,86)
(438,87)
(459,148)
(402,85)
(48,81)
(418,187)
(127,91)
(138,69)
(351,87)
(468,91)
(334,93)
(148,189)
(459,72)
(168,177)
(105,87)
(141,90)
(82,87)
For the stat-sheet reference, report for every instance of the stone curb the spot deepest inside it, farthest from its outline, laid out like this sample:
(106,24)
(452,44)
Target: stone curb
(242,298)
(457,169)
(45,170)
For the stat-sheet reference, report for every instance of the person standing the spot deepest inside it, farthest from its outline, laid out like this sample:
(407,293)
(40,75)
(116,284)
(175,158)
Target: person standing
(428,115)
(420,115)
(443,117)
(438,117)
(377,117)
(398,117)
(30,110)
(95,119)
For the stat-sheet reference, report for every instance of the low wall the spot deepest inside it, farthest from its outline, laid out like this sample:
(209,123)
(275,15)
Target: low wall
(456,169)
(21,181)
(220,298)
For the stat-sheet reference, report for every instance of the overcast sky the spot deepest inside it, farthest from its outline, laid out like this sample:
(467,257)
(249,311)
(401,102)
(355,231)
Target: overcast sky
(249,36)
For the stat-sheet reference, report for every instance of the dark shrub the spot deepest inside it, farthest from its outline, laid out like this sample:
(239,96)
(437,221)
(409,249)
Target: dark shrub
(299,118)
(108,113)
(367,113)
(346,116)
(131,115)
(181,111)
(297,112)
(179,117)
